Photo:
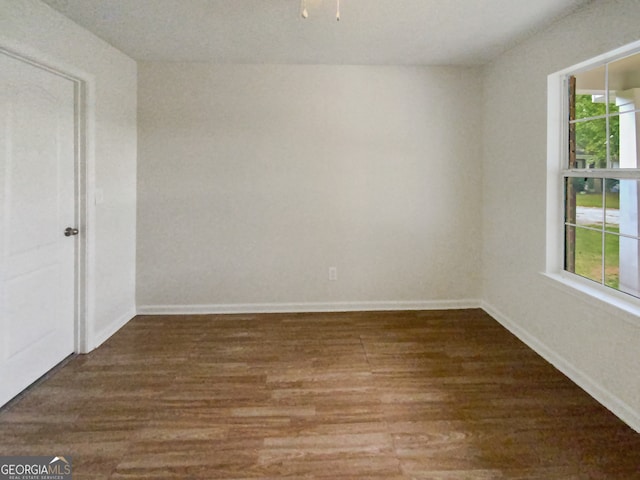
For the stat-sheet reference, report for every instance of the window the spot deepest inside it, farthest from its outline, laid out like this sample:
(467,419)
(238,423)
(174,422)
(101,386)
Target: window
(600,172)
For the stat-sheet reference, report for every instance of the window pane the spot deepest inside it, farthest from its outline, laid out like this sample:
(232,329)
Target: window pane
(612,260)
(590,90)
(624,75)
(591,143)
(588,253)
(629,281)
(590,105)
(624,140)
(629,198)
(612,204)
(571,189)
(570,249)
(589,211)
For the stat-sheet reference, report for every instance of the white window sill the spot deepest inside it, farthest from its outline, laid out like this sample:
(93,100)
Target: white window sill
(616,303)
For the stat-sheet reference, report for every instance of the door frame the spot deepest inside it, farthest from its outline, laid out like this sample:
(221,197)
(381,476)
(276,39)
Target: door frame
(84,184)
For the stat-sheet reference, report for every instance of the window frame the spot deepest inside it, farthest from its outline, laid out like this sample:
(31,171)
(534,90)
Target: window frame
(557,171)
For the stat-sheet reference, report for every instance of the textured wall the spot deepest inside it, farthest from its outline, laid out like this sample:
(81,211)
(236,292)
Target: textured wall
(254,180)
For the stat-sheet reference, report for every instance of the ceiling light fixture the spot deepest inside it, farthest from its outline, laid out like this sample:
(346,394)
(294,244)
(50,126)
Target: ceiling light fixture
(305,13)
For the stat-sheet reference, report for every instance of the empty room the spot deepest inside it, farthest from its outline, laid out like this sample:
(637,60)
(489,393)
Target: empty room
(320,239)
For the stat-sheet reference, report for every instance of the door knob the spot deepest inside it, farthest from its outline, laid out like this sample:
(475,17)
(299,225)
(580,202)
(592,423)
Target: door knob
(70,231)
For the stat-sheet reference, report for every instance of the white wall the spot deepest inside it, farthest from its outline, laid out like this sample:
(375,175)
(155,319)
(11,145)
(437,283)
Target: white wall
(254,180)
(33,29)
(597,346)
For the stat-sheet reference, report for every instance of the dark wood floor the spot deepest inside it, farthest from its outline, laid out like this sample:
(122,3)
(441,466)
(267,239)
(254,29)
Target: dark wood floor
(398,395)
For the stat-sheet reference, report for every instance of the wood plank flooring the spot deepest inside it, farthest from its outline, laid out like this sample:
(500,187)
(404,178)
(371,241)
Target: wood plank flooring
(444,395)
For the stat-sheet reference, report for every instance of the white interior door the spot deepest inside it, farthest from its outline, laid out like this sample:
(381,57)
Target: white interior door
(37,194)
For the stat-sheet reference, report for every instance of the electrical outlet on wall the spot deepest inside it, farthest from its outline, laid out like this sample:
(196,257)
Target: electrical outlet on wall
(333,273)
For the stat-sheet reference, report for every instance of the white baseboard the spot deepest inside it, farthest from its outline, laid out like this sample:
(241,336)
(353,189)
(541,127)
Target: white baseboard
(103,335)
(307,307)
(619,408)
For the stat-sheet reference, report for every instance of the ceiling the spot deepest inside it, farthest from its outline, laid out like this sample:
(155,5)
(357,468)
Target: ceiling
(370,32)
